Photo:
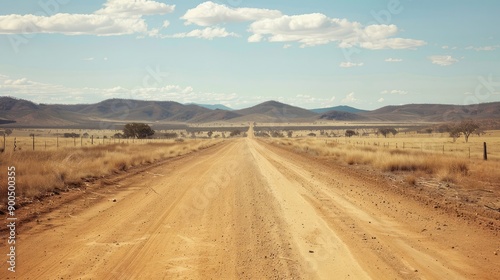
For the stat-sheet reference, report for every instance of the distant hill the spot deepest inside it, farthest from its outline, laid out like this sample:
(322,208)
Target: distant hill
(342,116)
(114,113)
(212,106)
(435,112)
(341,108)
(273,111)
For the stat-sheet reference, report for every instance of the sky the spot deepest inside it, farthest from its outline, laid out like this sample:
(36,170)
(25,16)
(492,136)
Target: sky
(312,54)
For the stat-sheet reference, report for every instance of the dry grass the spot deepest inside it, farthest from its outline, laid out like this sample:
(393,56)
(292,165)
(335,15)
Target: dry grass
(40,171)
(447,168)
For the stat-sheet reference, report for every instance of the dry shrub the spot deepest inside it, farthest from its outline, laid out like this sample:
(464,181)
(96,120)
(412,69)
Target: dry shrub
(459,167)
(358,157)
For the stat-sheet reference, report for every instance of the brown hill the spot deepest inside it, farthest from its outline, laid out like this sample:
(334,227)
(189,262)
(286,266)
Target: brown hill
(115,112)
(273,111)
(342,116)
(435,112)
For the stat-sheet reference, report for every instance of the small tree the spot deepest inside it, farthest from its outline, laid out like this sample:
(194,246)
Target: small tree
(235,133)
(8,131)
(137,130)
(350,133)
(289,134)
(454,133)
(118,135)
(467,127)
(386,131)
(210,133)
(277,134)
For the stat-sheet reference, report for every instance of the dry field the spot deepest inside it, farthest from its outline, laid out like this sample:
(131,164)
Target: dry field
(45,170)
(257,208)
(417,156)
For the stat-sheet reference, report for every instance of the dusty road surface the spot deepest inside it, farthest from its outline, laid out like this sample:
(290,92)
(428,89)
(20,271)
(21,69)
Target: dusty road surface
(247,210)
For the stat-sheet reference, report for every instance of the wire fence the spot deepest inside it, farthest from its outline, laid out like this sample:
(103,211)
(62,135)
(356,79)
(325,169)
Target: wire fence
(54,143)
(472,150)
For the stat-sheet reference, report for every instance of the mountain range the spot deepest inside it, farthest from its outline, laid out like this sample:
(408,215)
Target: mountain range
(116,112)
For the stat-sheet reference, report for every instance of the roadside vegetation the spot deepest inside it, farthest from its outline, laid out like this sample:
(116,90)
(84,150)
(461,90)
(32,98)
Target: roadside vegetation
(451,167)
(40,171)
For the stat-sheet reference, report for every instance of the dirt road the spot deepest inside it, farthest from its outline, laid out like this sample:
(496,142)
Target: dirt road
(248,210)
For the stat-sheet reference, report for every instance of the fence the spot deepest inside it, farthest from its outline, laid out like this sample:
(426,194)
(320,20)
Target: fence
(54,143)
(473,149)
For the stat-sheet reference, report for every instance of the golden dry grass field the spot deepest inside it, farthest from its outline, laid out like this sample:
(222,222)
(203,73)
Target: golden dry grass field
(51,166)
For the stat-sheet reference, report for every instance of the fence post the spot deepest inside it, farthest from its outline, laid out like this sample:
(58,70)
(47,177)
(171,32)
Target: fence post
(485,153)
(33,141)
(92,140)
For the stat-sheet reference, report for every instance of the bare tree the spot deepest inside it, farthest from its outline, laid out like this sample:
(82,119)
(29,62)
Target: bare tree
(467,127)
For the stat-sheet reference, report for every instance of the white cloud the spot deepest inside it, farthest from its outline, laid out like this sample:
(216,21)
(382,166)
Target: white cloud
(350,64)
(393,59)
(350,98)
(207,33)
(484,48)
(395,91)
(210,13)
(50,93)
(88,59)
(118,17)
(318,29)
(380,100)
(443,60)
(166,24)
(445,47)
(128,8)
(287,46)
(393,43)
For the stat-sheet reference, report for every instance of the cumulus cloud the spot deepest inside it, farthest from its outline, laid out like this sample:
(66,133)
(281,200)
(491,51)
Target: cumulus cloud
(393,59)
(349,64)
(118,17)
(380,100)
(443,60)
(210,13)
(350,98)
(318,29)
(207,33)
(395,91)
(128,8)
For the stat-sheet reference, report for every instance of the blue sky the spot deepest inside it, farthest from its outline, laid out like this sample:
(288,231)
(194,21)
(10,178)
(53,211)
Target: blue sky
(366,54)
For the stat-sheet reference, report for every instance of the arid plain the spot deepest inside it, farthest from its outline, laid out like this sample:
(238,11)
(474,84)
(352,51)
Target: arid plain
(263,208)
